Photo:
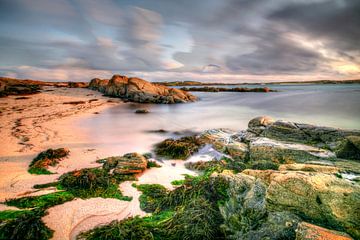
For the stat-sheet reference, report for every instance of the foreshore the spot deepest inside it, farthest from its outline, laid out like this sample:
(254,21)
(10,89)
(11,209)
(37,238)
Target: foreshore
(33,123)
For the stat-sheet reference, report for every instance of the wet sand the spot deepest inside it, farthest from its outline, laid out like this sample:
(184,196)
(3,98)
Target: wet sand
(42,121)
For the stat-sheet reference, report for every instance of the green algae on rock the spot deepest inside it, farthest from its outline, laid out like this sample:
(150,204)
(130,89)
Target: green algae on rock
(181,148)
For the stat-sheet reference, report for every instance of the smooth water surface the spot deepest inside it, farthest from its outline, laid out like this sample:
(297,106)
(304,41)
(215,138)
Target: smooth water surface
(328,105)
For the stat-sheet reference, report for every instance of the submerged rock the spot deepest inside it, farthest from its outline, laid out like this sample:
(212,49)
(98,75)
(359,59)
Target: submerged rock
(142,111)
(308,231)
(139,90)
(130,163)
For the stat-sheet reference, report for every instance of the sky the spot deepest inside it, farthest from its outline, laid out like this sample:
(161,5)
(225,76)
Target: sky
(180,40)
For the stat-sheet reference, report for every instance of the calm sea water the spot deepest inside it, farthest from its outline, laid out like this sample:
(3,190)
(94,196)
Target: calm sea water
(121,130)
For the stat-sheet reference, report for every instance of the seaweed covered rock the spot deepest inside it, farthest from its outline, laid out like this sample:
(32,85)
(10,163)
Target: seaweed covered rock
(43,160)
(226,141)
(284,152)
(308,231)
(181,148)
(323,198)
(139,90)
(130,163)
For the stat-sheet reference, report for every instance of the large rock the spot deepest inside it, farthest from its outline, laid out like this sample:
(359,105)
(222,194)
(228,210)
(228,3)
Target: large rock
(98,84)
(245,213)
(226,141)
(323,198)
(284,152)
(307,231)
(306,133)
(258,124)
(130,163)
(139,90)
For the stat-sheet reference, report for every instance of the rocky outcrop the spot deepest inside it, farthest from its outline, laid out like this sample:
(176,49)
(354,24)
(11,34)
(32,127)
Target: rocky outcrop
(130,163)
(303,133)
(285,152)
(78,84)
(324,198)
(246,215)
(308,231)
(270,204)
(9,86)
(139,90)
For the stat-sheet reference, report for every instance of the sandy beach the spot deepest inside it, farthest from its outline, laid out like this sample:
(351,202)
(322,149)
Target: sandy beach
(41,121)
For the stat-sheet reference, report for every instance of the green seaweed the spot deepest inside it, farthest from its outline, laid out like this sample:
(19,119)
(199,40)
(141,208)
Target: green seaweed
(151,196)
(24,226)
(42,201)
(178,148)
(47,158)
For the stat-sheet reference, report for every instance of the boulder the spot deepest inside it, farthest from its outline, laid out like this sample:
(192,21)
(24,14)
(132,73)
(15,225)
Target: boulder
(139,90)
(323,198)
(308,231)
(98,84)
(226,141)
(78,85)
(284,152)
(258,124)
(130,163)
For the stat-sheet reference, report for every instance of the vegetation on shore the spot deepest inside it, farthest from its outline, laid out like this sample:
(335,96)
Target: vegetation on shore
(43,160)
(191,211)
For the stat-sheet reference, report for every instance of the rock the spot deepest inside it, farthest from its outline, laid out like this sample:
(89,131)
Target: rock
(307,231)
(349,148)
(139,90)
(10,86)
(323,198)
(245,214)
(305,133)
(181,148)
(130,163)
(78,85)
(226,141)
(98,84)
(258,124)
(309,168)
(282,152)
(141,111)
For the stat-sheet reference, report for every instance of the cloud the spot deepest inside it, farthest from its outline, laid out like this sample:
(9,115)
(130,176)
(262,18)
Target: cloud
(205,39)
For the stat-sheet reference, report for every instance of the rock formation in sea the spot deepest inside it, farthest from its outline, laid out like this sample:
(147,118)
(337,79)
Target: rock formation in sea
(139,90)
